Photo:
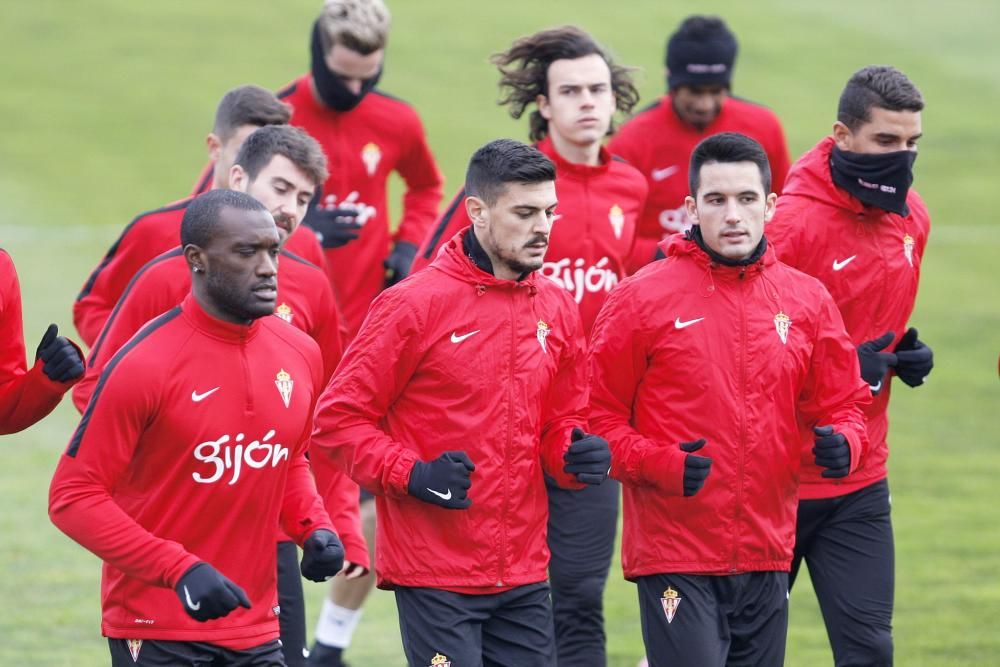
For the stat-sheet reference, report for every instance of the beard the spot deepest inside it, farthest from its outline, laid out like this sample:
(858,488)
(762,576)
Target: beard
(239,304)
(510,259)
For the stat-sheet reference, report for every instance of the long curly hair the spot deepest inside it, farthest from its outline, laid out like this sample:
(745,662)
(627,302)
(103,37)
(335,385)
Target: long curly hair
(524,71)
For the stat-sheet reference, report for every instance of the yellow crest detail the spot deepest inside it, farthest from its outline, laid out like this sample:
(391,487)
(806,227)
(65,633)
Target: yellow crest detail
(617,219)
(908,248)
(670,601)
(439,659)
(542,333)
(371,155)
(782,323)
(283,381)
(284,311)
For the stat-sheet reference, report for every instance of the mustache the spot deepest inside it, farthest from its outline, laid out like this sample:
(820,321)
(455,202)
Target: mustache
(288,220)
(536,239)
(267,284)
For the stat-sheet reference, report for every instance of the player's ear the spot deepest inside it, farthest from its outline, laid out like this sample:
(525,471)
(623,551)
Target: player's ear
(692,209)
(769,204)
(214,146)
(238,178)
(477,210)
(843,136)
(195,258)
(542,102)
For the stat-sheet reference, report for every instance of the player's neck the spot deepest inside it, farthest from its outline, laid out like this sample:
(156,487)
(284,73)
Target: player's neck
(588,154)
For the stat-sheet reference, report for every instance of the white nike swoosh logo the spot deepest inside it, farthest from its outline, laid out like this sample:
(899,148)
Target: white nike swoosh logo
(197,398)
(837,266)
(455,338)
(665,173)
(442,496)
(195,606)
(875,387)
(680,325)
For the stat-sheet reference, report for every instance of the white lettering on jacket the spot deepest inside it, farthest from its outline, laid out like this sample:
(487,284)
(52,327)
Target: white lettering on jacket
(256,454)
(577,279)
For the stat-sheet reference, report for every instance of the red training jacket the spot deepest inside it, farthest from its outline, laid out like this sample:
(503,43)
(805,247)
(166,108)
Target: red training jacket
(450,359)
(26,396)
(592,234)
(363,146)
(192,449)
(146,237)
(659,144)
(688,349)
(869,259)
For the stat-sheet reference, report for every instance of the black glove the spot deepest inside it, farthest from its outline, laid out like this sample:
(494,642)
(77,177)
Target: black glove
(832,452)
(875,363)
(206,594)
(399,261)
(444,481)
(696,468)
(914,360)
(334,226)
(61,361)
(588,457)
(322,556)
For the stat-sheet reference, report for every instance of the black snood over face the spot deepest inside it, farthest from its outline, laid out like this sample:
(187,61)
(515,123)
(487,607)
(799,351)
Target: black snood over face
(331,89)
(877,179)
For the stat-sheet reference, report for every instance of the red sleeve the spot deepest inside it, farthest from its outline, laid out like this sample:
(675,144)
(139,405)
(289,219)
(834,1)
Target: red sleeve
(373,373)
(834,393)
(423,188)
(341,498)
(329,324)
(618,362)
(26,396)
(454,219)
(565,405)
(80,502)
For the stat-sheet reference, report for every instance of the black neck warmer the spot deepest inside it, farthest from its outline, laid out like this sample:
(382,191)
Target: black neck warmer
(474,250)
(695,235)
(331,90)
(880,179)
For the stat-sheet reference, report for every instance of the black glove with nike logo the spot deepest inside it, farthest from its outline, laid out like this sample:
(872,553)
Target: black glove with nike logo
(399,261)
(588,457)
(874,362)
(444,481)
(322,556)
(334,226)
(914,360)
(207,594)
(61,361)
(832,452)
(696,468)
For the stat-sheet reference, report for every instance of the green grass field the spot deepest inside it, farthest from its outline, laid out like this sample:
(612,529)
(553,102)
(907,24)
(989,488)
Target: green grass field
(106,105)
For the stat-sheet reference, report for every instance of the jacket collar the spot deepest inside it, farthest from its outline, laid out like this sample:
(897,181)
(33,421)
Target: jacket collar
(565,168)
(681,247)
(453,260)
(215,327)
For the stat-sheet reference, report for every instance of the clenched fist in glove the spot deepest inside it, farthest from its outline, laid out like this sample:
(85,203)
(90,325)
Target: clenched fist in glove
(874,362)
(61,360)
(696,468)
(399,261)
(588,457)
(832,452)
(334,225)
(207,594)
(444,481)
(322,556)
(914,360)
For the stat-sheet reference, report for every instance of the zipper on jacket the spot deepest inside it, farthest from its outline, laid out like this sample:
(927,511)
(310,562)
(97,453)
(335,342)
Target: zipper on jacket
(247,382)
(510,438)
(743,422)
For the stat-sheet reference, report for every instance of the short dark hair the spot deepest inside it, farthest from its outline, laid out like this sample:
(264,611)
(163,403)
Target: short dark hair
(202,214)
(504,161)
(264,143)
(524,69)
(248,105)
(728,147)
(879,86)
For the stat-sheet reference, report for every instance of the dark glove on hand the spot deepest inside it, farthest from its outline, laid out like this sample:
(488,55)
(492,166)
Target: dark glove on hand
(588,457)
(334,226)
(696,468)
(914,360)
(444,481)
(206,594)
(875,363)
(832,452)
(61,361)
(399,261)
(322,556)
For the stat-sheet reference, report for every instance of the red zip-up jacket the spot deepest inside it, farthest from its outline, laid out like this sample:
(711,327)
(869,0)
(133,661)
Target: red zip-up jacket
(146,237)
(363,146)
(450,359)
(192,449)
(745,357)
(659,144)
(869,260)
(592,235)
(26,396)
(305,300)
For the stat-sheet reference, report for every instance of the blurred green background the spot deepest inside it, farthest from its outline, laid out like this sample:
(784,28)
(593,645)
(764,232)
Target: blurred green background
(104,109)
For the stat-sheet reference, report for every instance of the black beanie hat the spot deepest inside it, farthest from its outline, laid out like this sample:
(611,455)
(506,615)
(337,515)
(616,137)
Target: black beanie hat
(701,52)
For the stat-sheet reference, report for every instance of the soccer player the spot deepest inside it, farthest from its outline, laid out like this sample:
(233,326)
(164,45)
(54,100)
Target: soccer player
(577,89)
(699,103)
(467,382)
(849,218)
(27,396)
(366,135)
(241,111)
(190,452)
(707,367)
